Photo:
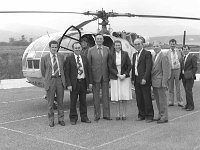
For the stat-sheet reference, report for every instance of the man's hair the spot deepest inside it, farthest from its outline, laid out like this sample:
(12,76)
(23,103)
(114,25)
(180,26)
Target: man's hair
(75,43)
(186,46)
(98,34)
(172,41)
(139,39)
(52,42)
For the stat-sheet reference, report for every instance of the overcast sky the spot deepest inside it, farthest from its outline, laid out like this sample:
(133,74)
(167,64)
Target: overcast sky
(187,8)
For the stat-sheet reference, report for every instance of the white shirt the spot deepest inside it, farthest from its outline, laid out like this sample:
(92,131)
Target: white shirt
(174,59)
(136,61)
(51,56)
(101,49)
(186,56)
(83,74)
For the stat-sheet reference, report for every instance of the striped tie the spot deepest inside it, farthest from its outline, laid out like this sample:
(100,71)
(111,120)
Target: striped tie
(80,70)
(55,66)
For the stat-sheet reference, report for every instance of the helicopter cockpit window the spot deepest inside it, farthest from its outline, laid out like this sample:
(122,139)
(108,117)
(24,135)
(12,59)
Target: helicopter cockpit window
(33,64)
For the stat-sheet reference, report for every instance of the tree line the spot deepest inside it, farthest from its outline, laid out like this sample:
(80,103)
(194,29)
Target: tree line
(13,42)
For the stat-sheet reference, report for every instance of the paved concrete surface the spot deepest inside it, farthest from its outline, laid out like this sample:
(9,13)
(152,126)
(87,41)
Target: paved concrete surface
(24,126)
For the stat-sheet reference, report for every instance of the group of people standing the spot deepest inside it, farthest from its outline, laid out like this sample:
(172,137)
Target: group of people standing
(99,66)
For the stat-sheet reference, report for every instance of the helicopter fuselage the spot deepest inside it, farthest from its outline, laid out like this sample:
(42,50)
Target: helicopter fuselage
(31,60)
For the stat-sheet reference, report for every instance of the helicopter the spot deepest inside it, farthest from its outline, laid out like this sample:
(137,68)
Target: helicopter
(37,49)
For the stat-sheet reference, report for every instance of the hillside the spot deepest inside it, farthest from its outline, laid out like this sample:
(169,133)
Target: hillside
(29,31)
(190,39)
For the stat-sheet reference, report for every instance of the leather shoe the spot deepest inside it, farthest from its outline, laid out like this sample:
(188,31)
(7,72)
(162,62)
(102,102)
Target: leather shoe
(51,124)
(162,121)
(148,120)
(156,119)
(189,109)
(73,122)
(96,119)
(139,119)
(107,118)
(86,121)
(62,123)
(184,107)
(180,105)
(170,104)
(117,118)
(123,118)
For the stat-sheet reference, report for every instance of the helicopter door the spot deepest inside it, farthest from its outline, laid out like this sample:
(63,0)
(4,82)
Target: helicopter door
(70,37)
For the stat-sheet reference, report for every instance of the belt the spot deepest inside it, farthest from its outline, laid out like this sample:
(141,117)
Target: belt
(59,76)
(81,80)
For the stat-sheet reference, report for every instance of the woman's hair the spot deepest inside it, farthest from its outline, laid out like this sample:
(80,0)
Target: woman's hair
(113,45)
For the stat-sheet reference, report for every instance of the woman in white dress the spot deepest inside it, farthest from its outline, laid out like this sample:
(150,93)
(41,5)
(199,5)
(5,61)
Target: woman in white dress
(119,65)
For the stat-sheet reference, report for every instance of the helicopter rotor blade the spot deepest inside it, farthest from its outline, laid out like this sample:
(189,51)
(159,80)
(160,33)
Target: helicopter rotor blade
(86,22)
(35,12)
(111,14)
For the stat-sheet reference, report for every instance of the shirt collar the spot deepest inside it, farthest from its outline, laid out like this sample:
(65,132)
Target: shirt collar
(118,52)
(99,47)
(51,55)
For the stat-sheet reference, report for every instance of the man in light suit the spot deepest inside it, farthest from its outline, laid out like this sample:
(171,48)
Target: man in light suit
(160,76)
(98,62)
(54,81)
(77,80)
(175,58)
(188,76)
(141,78)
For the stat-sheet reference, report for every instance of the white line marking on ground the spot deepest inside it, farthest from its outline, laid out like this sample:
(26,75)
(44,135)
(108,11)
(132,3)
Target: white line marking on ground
(22,100)
(138,132)
(43,138)
(22,119)
(27,119)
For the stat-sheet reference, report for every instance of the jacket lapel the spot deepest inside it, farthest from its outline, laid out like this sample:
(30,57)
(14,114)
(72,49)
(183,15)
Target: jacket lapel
(122,58)
(141,56)
(157,60)
(74,61)
(49,60)
(187,60)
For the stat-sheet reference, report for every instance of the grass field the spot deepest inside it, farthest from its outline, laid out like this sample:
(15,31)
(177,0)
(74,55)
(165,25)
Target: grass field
(11,62)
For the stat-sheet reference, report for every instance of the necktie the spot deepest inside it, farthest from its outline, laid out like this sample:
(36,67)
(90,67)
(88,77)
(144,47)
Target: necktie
(100,52)
(79,66)
(55,66)
(155,57)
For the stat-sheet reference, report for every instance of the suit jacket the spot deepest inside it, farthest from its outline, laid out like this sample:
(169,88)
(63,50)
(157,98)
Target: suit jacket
(144,67)
(125,65)
(46,69)
(190,65)
(160,71)
(98,67)
(180,57)
(71,71)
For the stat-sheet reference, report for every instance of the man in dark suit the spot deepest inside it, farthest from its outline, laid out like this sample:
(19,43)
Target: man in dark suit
(188,76)
(54,81)
(160,75)
(77,80)
(98,62)
(141,76)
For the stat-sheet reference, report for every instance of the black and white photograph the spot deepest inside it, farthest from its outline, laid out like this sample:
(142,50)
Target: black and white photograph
(100,75)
